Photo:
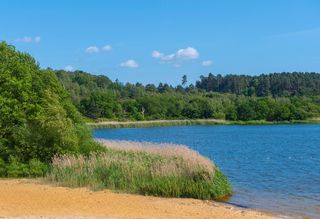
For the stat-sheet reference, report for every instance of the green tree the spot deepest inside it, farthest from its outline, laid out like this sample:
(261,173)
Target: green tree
(37,118)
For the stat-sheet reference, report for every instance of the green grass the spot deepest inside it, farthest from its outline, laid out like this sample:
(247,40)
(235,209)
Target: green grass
(143,172)
(139,124)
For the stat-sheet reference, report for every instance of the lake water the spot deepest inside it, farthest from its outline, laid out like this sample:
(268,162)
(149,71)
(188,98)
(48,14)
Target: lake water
(271,167)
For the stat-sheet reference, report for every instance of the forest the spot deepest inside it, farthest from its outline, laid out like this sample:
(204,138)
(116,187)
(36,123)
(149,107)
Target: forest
(270,97)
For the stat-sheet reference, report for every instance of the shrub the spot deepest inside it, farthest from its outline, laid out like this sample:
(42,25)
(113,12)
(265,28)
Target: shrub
(16,168)
(37,168)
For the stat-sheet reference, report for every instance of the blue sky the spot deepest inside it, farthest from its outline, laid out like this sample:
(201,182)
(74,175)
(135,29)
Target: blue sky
(160,40)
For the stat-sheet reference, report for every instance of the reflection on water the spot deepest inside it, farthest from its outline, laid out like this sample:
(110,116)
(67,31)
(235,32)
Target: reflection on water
(272,167)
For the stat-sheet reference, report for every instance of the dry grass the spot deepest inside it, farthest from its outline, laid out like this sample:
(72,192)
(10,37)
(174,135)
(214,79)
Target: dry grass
(192,158)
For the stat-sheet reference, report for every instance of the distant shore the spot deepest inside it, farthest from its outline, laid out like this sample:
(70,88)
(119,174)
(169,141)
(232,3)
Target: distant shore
(186,122)
(35,199)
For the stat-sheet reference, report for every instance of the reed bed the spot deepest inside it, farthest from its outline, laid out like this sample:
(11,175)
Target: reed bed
(145,168)
(191,158)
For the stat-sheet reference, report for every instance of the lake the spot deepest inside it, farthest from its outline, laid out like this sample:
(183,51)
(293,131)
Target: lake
(271,167)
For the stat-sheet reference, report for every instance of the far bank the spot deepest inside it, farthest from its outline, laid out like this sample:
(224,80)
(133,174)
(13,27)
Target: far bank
(186,122)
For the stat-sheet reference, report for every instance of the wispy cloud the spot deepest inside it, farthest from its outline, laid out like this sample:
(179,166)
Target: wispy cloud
(129,64)
(180,55)
(106,48)
(95,49)
(207,63)
(92,49)
(28,39)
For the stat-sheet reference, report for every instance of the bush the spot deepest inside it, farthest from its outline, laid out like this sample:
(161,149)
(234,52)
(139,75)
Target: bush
(37,168)
(16,168)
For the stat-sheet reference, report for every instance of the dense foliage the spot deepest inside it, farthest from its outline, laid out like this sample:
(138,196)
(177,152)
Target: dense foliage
(37,118)
(99,97)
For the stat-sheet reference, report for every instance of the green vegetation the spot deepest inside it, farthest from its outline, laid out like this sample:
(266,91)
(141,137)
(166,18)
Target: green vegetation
(156,172)
(237,98)
(15,168)
(37,118)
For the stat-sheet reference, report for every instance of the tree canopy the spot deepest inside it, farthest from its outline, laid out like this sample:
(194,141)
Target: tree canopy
(37,118)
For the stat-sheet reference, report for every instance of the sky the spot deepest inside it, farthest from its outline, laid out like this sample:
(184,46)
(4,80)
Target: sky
(161,40)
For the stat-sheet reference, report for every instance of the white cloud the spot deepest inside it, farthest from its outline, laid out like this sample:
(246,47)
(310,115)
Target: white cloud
(207,63)
(106,48)
(158,55)
(129,64)
(68,68)
(27,39)
(95,49)
(92,49)
(187,53)
(182,54)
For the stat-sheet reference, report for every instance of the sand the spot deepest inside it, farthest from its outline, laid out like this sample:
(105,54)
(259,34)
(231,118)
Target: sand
(35,199)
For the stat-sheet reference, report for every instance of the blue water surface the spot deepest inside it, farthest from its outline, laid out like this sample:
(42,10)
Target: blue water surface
(271,167)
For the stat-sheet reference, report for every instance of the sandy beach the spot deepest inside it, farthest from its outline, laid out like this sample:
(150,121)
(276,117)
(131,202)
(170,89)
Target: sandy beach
(34,199)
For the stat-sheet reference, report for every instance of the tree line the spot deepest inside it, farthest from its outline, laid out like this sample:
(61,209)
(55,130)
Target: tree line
(275,84)
(235,98)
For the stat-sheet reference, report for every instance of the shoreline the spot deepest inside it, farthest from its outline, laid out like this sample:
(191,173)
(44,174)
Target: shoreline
(35,198)
(189,122)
